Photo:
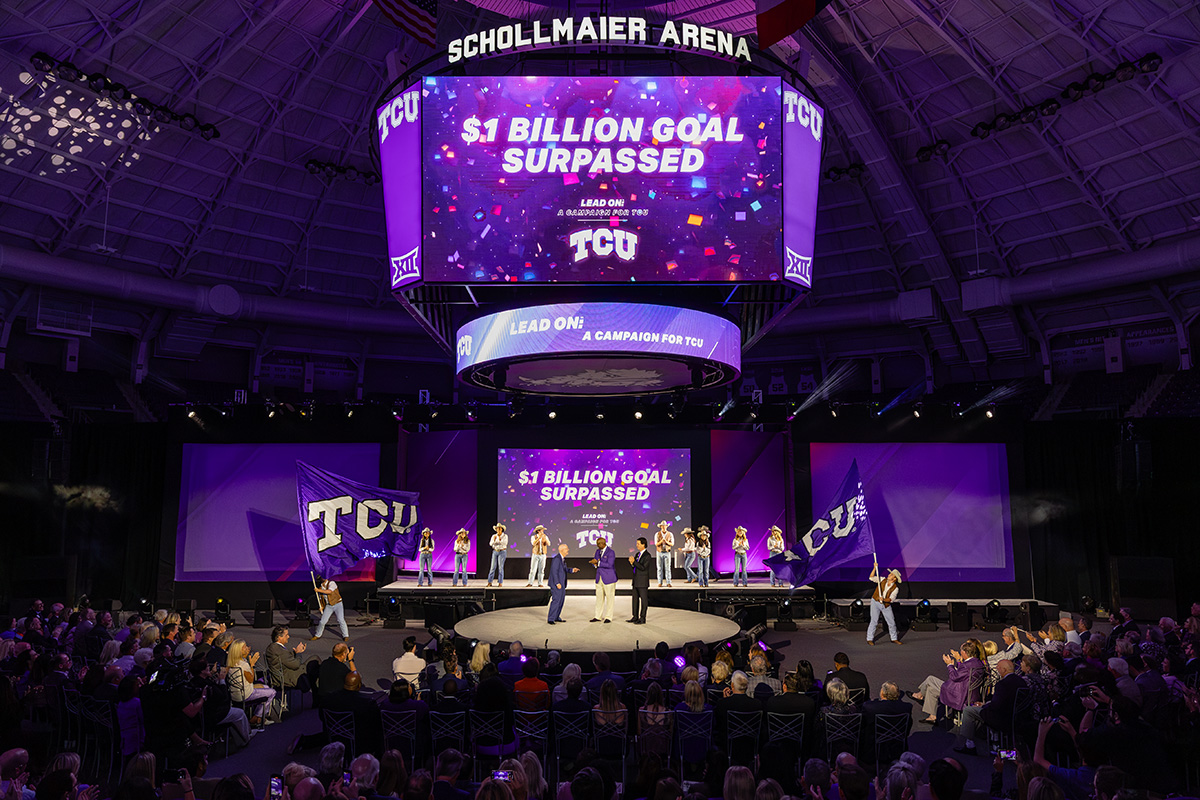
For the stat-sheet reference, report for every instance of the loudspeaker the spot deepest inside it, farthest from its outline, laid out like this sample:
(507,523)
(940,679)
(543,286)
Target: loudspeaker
(264,616)
(1032,618)
(1145,585)
(444,614)
(960,616)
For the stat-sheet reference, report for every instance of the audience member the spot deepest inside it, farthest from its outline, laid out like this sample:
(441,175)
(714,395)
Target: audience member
(996,713)
(409,665)
(367,724)
(852,678)
(962,686)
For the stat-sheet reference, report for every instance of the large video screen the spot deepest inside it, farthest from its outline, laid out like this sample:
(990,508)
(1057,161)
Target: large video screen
(939,512)
(238,515)
(579,495)
(749,483)
(596,179)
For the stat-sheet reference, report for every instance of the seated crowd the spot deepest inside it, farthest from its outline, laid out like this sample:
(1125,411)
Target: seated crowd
(1089,716)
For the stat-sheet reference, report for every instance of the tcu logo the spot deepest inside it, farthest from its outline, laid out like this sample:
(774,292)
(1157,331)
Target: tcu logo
(604,242)
(403,108)
(464,346)
(406,267)
(800,109)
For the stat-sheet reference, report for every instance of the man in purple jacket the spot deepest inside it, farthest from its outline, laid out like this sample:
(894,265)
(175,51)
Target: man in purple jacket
(606,580)
(963,685)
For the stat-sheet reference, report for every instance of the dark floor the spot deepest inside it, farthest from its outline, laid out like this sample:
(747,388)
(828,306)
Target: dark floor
(815,640)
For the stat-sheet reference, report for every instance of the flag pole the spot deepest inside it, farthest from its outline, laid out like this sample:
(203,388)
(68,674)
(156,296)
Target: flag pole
(320,602)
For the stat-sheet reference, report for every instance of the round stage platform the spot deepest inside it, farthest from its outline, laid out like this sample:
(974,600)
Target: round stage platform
(577,635)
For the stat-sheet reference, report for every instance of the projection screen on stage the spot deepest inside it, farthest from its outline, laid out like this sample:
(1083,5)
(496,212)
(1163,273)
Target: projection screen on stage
(939,512)
(579,495)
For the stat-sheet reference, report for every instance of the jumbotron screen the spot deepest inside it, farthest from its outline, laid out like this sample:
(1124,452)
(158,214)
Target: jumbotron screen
(565,179)
(579,495)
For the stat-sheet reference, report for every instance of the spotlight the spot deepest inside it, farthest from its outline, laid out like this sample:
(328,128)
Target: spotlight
(599,412)
(725,409)
(189,122)
(858,611)
(1149,62)
(982,131)
(301,608)
(917,411)
(1002,122)
(370,179)
(1087,604)
(393,612)
(1074,91)
(42,62)
(676,406)
(162,114)
(224,612)
(941,147)
(1125,71)
(754,408)
(331,170)
(143,107)
(924,154)
(1049,108)
(833,174)
(793,408)
(145,606)
(1029,115)
(471,411)
(680,662)
(209,132)
(68,71)
(118,91)
(313,166)
(1095,82)
(994,613)
(191,413)
(351,174)
(924,611)
(433,412)
(783,617)
(271,414)
(97,82)
(833,409)
(991,411)
(443,636)
(637,412)
(552,414)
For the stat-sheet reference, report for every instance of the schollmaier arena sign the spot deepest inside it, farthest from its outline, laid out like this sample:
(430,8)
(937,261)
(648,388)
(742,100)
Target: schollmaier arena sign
(620,31)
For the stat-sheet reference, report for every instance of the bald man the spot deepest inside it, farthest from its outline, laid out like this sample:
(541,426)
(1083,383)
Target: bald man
(557,573)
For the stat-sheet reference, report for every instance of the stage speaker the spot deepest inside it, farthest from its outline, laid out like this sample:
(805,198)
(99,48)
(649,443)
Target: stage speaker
(264,616)
(444,614)
(960,616)
(1146,586)
(1032,618)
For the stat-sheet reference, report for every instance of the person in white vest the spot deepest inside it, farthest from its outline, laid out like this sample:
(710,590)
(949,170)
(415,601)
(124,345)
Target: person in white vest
(333,608)
(664,543)
(539,543)
(886,590)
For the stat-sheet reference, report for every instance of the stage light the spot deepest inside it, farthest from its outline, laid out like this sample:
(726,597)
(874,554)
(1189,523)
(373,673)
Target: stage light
(833,409)
(725,409)
(599,412)
(331,170)
(474,643)
(189,122)
(143,107)
(97,82)
(941,147)
(991,411)
(793,408)
(1029,115)
(1087,604)
(637,413)
(678,402)
(1049,108)
(1126,71)
(552,414)
(833,174)
(223,611)
(982,131)
(313,166)
(370,179)
(917,411)
(442,635)
(162,114)
(68,71)
(42,62)
(1149,62)
(1002,122)
(924,154)
(393,612)
(924,611)
(858,610)
(208,132)
(994,613)
(754,408)
(145,606)
(1095,82)
(1074,91)
(301,608)
(351,174)
(191,413)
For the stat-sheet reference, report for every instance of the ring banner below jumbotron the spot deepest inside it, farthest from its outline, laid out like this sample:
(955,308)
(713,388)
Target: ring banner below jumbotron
(568,332)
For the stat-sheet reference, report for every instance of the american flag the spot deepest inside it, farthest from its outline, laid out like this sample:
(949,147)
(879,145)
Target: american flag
(417,17)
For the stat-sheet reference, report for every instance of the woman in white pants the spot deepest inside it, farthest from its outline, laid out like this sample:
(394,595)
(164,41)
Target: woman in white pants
(255,696)
(881,603)
(539,543)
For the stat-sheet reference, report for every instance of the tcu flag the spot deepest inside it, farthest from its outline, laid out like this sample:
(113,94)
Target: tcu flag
(345,521)
(842,534)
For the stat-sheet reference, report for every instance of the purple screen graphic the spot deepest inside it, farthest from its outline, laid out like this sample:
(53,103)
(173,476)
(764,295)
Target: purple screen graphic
(540,179)
(596,328)
(581,494)
(398,125)
(238,518)
(803,127)
(748,482)
(939,512)
(441,467)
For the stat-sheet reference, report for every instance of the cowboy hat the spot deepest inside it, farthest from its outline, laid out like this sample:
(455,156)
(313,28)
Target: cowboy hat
(774,529)
(498,527)
(664,524)
(739,529)
(895,573)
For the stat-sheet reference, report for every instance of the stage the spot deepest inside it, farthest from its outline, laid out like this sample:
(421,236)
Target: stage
(528,625)
(759,585)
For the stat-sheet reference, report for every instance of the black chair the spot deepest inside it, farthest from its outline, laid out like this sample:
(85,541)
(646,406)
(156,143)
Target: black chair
(891,736)
(694,735)
(401,727)
(339,727)
(533,729)
(841,734)
(572,732)
(857,696)
(490,736)
(610,732)
(786,730)
(742,735)
(100,722)
(448,728)
(655,733)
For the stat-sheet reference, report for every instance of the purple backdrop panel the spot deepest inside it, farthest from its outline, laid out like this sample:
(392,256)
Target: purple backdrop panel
(803,127)
(597,179)
(398,124)
(238,518)
(441,468)
(748,483)
(581,494)
(939,512)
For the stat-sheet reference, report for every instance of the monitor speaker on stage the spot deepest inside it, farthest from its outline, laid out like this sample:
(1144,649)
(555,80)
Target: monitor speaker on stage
(1032,618)
(960,616)
(264,616)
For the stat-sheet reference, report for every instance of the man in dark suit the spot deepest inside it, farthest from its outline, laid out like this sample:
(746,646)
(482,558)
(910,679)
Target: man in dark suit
(996,713)
(890,702)
(574,701)
(736,699)
(641,582)
(449,766)
(334,669)
(510,668)
(368,728)
(852,678)
(557,574)
(794,701)
(603,664)
(283,663)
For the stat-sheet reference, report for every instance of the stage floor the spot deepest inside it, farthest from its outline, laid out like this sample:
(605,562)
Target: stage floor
(528,625)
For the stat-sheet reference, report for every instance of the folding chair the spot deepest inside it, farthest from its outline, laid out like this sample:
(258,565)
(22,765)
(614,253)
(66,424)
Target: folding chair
(742,729)
(786,730)
(857,696)
(533,728)
(448,726)
(571,733)
(610,732)
(488,727)
(891,736)
(655,733)
(694,734)
(339,726)
(400,726)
